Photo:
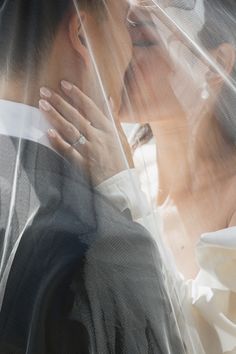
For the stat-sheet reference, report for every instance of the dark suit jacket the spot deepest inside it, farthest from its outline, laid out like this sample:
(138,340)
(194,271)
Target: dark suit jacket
(84,278)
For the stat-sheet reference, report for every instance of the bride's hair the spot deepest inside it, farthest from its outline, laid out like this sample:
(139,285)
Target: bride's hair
(219,27)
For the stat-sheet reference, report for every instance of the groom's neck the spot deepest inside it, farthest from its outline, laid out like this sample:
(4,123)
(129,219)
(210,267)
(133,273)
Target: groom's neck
(20,93)
(24,89)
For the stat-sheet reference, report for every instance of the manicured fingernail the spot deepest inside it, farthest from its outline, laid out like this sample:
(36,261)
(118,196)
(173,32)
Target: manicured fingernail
(52,133)
(44,105)
(66,85)
(45,92)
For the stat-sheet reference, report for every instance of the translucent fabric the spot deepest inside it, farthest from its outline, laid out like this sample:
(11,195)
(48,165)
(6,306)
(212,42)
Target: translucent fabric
(78,274)
(92,259)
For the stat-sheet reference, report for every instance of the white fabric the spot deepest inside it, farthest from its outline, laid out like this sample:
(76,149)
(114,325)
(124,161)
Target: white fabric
(115,189)
(22,121)
(214,290)
(211,297)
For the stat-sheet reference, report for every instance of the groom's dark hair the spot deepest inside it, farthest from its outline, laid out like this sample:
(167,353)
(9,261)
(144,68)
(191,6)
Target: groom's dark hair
(27,30)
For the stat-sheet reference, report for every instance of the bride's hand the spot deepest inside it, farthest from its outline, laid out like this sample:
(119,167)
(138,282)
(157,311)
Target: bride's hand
(84,135)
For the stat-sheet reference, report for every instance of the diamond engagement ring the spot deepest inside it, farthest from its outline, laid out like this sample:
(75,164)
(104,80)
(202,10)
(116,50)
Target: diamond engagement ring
(80,141)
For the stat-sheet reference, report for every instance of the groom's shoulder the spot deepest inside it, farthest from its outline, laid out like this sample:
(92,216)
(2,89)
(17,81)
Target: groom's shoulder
(46,182)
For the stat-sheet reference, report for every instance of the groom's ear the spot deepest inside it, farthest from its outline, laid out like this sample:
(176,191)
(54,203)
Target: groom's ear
(78,37)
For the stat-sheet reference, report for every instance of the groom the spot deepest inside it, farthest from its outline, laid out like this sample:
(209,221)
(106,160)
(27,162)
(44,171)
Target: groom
(76,276)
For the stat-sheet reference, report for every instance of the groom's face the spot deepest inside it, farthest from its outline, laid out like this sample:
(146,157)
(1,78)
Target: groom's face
(111,47)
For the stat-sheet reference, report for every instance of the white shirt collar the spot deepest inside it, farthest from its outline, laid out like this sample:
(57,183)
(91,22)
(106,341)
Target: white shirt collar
(22,121)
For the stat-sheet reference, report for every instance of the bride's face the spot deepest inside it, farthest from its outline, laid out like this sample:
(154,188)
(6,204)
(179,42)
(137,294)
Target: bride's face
(161,81)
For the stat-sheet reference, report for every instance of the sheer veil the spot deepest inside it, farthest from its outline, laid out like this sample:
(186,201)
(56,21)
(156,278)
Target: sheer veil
(104,246)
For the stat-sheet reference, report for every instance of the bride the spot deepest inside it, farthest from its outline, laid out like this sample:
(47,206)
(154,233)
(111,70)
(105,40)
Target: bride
(182,83)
